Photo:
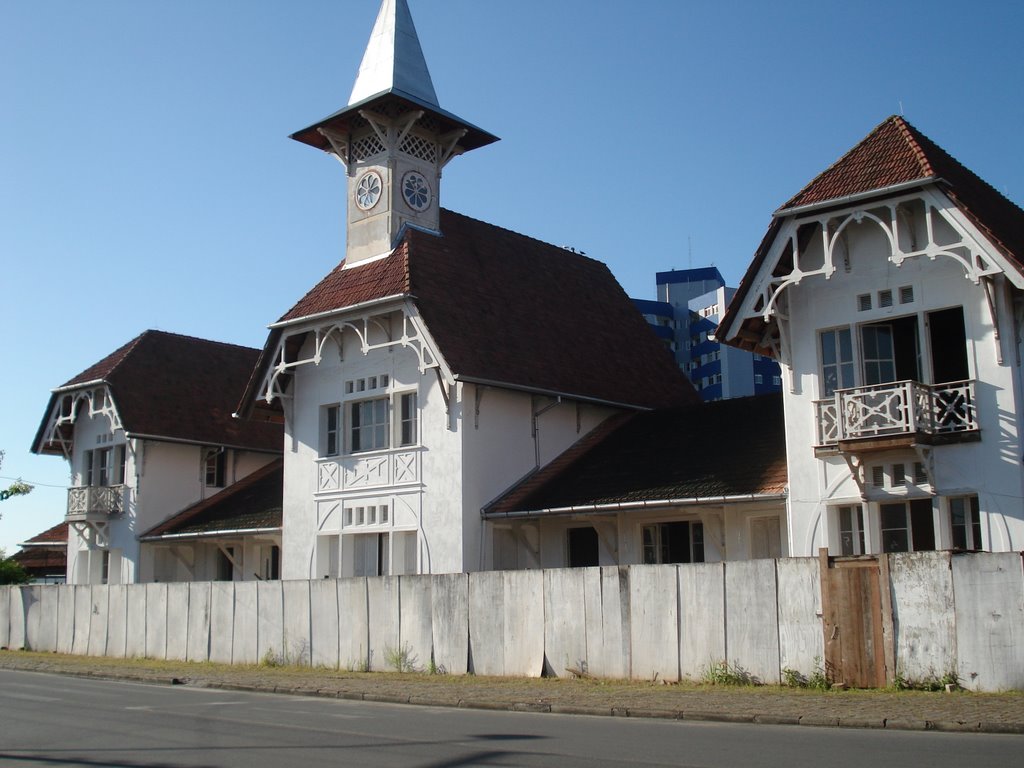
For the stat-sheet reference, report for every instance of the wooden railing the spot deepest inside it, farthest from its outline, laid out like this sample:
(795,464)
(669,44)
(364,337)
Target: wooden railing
(899,408)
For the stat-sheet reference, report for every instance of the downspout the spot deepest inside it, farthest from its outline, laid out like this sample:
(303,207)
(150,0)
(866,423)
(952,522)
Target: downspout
(535,426)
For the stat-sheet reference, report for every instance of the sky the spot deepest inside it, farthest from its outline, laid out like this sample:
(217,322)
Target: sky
(147,179)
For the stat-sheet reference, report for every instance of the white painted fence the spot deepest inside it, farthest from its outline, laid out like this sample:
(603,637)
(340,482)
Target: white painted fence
(962,613)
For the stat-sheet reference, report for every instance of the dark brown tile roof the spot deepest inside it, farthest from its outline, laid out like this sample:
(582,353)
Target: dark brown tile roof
(51,536)
(729,448)
(895,153)
(179,388)
(253,503)
(42,561)
(512,311)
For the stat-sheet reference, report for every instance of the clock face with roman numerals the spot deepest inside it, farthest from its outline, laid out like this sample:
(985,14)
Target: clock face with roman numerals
(368,190)
(416,191)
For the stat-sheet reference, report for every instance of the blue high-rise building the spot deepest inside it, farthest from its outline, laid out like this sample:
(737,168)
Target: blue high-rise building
(689,304)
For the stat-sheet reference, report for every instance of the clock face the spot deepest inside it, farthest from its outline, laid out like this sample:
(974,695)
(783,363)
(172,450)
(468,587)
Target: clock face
(368,190)
(416,191)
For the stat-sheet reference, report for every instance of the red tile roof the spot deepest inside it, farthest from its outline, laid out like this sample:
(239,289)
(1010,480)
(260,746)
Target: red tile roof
(51,536)
(509,310)
(179,388)
(253,503)
(896,153)
(728,448)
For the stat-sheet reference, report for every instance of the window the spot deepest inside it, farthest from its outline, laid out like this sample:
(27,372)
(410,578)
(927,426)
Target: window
(836,360)
(103,459)
(105,567)
(851,530)
(216,462)
(907,526)
(87,473)
(121,458)
(225,564)
(332,429)
(758,378)
(407,419)
(582,549)
(678,542)
(368,430)
(272,563)
(965,521)
(777,381)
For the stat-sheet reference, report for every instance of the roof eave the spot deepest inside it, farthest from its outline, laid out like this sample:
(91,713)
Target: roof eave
(625,506)
(210,534)
(550,392)
(855,197)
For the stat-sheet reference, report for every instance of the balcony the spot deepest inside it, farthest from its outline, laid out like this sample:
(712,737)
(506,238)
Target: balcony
(95,502)
(898,414)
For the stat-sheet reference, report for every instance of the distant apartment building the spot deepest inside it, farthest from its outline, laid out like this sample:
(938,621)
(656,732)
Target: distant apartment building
(688,308)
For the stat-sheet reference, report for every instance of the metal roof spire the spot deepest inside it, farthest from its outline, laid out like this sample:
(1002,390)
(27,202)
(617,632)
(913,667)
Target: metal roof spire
(393,61)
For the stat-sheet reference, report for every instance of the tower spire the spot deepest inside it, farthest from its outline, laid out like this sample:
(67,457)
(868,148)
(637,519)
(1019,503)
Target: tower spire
(393,139)
(393,61)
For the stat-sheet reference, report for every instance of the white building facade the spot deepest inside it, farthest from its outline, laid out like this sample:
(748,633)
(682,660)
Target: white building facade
(890,291)
(442,360)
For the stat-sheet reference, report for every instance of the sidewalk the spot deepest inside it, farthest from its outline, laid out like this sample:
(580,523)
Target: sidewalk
(907,710)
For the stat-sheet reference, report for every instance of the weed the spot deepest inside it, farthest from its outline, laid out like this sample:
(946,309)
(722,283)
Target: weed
(723,673)
(401,659)
(933,682)
(817,680)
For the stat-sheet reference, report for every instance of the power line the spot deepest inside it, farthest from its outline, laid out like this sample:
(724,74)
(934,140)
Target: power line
(32,482)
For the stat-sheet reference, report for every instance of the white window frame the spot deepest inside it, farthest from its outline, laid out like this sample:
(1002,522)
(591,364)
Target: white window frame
(331,433)
(840,363)
(973,532)
(856,529)
(403,400)
(355,433)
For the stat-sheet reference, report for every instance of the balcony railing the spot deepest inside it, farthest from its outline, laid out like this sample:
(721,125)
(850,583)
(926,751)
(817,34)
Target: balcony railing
(902,408)
(92,501)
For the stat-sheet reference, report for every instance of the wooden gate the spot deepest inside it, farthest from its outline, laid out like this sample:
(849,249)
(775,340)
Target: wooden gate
(856,614)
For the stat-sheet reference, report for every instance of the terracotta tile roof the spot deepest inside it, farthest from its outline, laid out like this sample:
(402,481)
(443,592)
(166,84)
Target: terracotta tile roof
(51,536)
(253,503)
(729,448)
(364,282)
(179,388)
(894,153)
(509,310)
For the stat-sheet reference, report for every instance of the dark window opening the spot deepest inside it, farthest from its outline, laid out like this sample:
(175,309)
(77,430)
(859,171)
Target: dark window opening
(583,547)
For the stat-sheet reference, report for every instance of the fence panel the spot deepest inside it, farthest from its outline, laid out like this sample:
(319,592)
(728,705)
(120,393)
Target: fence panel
(752,619)
(989,610)
(449,622)
(117,621)
(323,610)
(222,621)
(922,608)
(801,640)
(135,641)
(654,622)
(701,618)
(415,630)
(197,640)
(565,622)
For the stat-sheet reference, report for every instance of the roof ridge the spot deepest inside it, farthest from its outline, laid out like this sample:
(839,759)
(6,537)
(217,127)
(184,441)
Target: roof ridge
(908,133)
(523,236)
(189,337)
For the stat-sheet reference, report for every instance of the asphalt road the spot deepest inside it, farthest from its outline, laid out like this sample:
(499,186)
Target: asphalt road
(50,720)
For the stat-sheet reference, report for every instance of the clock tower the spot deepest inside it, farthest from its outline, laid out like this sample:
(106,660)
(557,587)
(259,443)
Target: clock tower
(393,139)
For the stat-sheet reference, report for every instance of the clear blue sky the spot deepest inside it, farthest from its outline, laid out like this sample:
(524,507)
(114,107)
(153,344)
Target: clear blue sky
(147,181)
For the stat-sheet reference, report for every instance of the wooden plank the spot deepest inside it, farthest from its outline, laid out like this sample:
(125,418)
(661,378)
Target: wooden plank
(888,630)
(827,618)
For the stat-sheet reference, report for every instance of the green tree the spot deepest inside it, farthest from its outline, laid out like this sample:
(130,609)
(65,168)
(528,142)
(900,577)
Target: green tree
(11,571)
(17,488)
